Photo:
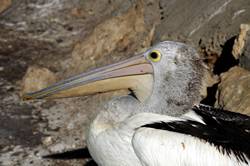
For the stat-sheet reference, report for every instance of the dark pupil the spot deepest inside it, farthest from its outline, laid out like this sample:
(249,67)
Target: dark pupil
(154,55)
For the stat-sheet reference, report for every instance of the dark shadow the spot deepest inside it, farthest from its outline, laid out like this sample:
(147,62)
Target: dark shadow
(223,64)
(226,59)
(91,163)
(211,95)
(82,153)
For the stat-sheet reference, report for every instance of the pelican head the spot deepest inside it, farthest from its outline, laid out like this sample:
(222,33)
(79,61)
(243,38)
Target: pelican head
(164,79)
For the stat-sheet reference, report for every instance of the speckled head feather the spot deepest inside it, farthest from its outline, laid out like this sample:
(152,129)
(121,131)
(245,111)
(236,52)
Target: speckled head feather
(177,79)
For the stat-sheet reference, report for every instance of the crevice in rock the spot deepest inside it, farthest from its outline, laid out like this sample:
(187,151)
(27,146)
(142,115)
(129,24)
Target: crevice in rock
(91,163)
(211,95)
(226,59)
(81,153)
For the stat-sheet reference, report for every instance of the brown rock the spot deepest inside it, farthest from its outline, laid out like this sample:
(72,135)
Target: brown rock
(244,60)
(234,91)
(123,32)
(47,140)
(37,78)
(240,41)
(4,4)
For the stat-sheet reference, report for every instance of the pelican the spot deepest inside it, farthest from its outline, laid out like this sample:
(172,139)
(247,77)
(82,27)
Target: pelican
(159,122)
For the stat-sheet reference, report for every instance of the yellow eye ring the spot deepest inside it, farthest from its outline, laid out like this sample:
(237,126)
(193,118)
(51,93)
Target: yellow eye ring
(154,56)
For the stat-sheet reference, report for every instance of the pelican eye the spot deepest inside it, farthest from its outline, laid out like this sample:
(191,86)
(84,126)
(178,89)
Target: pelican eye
(154,56)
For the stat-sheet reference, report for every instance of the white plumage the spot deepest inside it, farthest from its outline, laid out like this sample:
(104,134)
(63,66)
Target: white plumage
(127,143)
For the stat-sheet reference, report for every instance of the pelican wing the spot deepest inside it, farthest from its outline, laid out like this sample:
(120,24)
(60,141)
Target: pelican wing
(203,137)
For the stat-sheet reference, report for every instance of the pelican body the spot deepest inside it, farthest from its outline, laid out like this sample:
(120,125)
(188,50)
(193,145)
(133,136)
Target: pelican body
(157,123)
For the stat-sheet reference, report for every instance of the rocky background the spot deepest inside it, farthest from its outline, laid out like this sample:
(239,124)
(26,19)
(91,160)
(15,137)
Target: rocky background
(42,41)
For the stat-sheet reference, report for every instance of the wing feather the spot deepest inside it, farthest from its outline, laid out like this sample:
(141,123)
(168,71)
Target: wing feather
(223,139)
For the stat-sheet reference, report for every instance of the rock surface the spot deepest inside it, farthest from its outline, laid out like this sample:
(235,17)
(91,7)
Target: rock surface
(244,59)
(66,37)
(234,91)
(4,5)
(241,41)
(37,78)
